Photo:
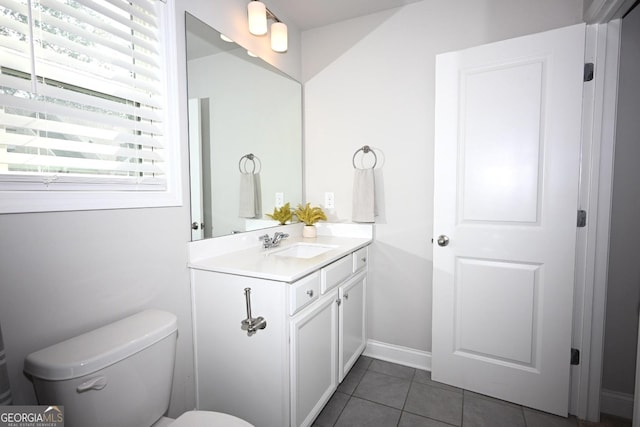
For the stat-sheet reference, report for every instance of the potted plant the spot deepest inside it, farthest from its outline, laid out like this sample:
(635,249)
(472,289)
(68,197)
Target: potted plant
(309,215)
(282,214)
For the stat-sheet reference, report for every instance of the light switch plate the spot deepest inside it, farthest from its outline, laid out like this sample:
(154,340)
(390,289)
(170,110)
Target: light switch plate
(329,201)
(279,200)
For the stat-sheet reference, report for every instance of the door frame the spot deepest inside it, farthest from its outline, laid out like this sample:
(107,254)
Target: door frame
(596,189)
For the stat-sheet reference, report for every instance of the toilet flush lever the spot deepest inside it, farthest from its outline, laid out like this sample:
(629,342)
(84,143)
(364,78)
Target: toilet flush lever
(97,383)
(250,324)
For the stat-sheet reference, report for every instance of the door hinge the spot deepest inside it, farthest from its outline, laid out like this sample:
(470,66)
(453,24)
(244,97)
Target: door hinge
(575,356)
(588,71)
(582,218)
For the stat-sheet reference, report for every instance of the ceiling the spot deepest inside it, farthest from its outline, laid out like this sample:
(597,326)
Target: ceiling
(305,14)
(308,14)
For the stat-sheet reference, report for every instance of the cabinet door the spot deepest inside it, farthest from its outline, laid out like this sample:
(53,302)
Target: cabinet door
(241,375)
(352,334)
(314,371)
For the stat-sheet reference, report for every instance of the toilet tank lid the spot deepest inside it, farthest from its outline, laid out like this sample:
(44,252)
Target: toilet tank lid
(97,349)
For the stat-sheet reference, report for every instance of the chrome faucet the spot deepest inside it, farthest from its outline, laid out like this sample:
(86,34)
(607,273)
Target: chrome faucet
(268,242)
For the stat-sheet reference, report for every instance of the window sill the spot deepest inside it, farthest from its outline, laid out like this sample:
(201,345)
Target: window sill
(12,202)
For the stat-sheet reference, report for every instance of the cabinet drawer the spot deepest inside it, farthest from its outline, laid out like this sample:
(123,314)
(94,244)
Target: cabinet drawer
(360,259)
(333,274)
(304,291)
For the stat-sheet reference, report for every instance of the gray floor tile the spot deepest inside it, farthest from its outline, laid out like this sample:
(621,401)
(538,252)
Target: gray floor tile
(411,420)
(535,418)
(375,391)
(385,389)
(392,369)
(424,377)
(434,402)
(468,393)
(363,362)
(482,412)
(351,381)
(362,413)
(332,410)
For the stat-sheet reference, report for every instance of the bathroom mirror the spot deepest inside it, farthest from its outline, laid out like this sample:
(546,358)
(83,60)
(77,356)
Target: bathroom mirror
(245,135)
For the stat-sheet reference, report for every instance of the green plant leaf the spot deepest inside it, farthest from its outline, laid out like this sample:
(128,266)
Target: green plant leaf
(282,214)
(310,215)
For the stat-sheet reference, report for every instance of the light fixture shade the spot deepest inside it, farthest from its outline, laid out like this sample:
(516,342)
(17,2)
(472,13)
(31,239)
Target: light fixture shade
(257,18)
(279,42)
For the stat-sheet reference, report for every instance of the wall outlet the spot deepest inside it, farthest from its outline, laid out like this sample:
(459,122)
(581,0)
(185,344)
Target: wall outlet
(329,201)
(279,200)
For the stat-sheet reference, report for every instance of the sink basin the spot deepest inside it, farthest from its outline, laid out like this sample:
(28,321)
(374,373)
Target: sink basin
(303,250)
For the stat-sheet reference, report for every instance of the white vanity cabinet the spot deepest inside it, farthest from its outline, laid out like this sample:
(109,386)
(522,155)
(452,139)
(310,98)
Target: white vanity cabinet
(282,375)
(326,340)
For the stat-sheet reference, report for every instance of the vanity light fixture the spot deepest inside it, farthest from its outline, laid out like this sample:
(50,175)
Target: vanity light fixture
(258,16)
(279,37)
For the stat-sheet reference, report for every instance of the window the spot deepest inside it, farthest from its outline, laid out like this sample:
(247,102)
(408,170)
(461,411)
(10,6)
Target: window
(82,104)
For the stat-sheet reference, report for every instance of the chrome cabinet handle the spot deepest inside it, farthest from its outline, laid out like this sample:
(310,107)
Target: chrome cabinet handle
(310,293)
(338,301)
(346,296)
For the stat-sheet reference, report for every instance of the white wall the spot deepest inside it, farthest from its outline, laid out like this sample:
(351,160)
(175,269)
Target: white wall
(371,81)
(623,287)
(65,273)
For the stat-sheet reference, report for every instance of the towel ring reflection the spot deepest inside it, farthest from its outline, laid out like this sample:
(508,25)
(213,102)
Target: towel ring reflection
(242,166)
(365,149)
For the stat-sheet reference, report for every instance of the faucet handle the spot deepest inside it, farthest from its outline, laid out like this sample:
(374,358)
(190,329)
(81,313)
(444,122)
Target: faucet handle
(264,238)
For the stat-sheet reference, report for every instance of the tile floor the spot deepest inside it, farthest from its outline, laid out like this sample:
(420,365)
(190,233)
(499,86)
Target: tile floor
(383,394)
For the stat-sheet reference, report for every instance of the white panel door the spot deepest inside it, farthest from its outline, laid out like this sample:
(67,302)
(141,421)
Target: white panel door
(508,120)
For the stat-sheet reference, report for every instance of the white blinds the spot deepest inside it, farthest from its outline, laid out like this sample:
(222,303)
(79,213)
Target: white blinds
(81,95)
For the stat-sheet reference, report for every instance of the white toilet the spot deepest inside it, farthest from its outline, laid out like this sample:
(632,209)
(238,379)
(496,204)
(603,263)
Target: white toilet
(117,375)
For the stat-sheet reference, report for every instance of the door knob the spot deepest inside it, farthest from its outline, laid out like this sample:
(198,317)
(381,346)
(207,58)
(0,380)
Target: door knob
(195,225)
(443,240)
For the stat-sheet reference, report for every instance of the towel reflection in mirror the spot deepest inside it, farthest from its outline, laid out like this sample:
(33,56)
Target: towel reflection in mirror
(250,188)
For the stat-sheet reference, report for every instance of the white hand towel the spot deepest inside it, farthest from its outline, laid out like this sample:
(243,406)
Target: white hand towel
(257,195)
(247,195)
(364,200)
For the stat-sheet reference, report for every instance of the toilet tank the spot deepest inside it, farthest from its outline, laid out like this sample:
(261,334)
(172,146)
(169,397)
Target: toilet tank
(117,375)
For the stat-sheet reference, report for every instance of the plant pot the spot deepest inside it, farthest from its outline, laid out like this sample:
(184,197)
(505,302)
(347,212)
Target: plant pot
(309,231)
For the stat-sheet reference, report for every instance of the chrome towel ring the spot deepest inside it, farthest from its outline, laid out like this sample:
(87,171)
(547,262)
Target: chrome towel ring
(365,149)
(242,164)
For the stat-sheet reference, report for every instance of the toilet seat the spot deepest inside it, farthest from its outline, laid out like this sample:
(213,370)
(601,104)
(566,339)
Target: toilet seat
(208,419)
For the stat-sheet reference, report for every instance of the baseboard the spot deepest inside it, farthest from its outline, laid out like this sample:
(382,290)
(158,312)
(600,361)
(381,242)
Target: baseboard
(616,403)
(398,354)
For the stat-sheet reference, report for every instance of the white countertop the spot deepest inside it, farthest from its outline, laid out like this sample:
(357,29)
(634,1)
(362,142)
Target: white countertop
(262,263)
